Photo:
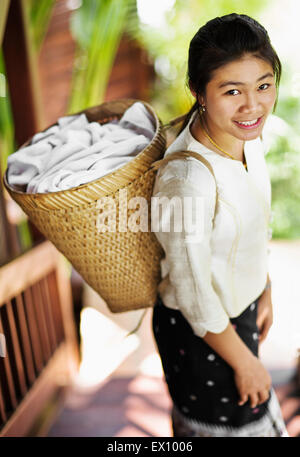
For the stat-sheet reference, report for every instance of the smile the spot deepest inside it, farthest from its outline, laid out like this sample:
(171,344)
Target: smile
(249,124)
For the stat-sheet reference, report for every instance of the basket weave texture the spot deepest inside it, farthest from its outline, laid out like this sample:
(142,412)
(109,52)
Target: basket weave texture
(123,267)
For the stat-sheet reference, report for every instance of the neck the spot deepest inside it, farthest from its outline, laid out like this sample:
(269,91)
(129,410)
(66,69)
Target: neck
(231,145)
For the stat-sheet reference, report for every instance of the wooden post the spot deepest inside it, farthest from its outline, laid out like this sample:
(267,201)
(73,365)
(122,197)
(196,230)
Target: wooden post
(22,75)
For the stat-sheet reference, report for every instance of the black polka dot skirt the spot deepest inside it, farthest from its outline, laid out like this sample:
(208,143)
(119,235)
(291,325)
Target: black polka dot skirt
(201,384)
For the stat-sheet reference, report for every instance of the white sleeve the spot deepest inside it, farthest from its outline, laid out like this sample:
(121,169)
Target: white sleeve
(188,253)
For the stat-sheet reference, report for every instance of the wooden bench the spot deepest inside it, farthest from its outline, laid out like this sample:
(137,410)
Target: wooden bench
(40,354)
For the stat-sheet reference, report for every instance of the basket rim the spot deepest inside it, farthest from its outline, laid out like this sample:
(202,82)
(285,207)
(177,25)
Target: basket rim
(157,134)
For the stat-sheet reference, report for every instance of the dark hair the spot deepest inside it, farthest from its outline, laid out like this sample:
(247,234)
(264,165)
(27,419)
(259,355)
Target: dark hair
(221,41)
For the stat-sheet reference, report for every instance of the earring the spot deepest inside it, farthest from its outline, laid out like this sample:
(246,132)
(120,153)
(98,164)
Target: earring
(202,108)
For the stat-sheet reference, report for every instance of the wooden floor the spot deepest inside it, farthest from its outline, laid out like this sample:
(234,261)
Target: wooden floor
(139,407)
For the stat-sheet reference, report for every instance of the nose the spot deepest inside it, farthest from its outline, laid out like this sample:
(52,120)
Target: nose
(250,104)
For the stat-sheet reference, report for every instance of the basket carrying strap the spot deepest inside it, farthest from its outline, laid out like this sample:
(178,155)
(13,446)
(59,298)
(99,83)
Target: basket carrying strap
(183,155)
(138,324)
(157,164)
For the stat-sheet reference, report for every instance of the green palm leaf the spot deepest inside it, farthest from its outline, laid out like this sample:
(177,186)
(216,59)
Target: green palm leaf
(97,27)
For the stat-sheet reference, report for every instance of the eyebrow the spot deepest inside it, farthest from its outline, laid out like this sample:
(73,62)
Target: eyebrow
(237,83)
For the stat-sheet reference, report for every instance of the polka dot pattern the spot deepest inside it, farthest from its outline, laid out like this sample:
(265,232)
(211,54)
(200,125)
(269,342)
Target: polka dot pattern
(199,380)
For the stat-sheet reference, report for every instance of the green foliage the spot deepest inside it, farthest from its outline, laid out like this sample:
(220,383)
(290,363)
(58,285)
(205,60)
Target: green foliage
(289,105)
(97,27)
(39,13)
(283,162)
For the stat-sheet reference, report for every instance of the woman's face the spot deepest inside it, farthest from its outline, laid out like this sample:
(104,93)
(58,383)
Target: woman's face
(241,91)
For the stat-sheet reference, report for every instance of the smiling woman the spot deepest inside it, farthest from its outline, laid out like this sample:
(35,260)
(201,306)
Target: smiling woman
(214,304)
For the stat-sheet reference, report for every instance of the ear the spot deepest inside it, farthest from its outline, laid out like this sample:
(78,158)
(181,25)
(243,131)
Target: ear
(193,92)
(195,95)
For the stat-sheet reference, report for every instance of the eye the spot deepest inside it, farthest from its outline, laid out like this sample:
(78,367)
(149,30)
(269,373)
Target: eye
(264,86)
(230,92)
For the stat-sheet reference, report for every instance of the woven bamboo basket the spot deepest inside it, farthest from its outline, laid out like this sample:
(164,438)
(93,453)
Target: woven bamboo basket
(123,267)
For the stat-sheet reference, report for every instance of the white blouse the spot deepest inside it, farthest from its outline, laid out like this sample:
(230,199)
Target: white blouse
(215,273)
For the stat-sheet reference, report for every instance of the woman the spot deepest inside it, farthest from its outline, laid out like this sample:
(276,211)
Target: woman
(214,304)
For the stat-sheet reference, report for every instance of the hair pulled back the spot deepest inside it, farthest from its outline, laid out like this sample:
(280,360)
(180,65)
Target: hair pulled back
(221,41)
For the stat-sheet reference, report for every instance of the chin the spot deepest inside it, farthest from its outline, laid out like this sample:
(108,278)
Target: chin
(251,135)
(248,135)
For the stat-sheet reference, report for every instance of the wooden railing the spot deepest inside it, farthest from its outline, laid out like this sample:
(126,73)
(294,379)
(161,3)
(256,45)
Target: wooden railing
(37,327)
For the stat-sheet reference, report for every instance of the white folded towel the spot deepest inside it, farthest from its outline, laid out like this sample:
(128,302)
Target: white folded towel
(76,151)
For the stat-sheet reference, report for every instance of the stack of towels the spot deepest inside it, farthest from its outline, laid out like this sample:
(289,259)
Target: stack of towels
(76,151)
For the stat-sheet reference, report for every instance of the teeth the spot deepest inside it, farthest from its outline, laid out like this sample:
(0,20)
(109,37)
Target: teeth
(248,122)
